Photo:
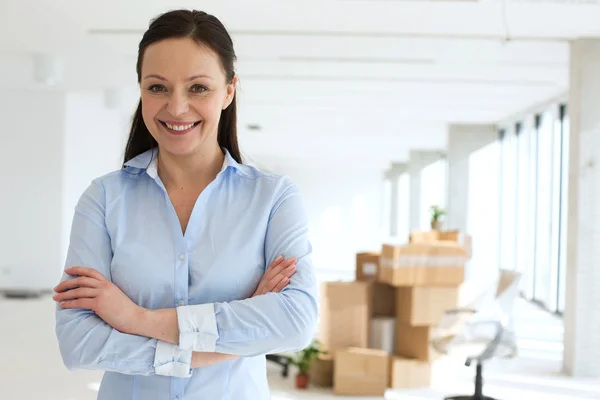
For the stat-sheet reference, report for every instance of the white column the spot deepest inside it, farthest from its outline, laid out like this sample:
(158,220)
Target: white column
(417,161)
(582,308)
(393,174)
(463,140)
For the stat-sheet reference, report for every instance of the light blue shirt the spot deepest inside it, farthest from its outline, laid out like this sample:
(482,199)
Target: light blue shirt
(126,228)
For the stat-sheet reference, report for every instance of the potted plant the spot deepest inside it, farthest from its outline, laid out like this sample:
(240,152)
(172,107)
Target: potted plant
(304,360)
(437,213)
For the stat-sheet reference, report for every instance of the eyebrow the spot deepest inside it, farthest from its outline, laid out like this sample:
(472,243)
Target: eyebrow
(191,78)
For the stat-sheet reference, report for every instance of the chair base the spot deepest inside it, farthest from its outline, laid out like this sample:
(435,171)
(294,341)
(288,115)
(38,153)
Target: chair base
(471,397)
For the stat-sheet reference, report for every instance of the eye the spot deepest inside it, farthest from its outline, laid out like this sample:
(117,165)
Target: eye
(157,88)
(197,88)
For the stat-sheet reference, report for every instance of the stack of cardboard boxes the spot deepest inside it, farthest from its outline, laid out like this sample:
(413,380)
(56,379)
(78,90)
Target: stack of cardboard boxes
(377,328)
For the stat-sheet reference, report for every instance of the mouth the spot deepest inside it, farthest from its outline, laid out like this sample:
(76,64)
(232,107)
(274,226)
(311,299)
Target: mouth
(179,128)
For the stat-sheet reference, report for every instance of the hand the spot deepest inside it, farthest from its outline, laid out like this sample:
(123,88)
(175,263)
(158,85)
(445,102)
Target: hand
(92,291)
(277,276)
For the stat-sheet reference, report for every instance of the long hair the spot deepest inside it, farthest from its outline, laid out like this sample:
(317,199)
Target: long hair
(206,30)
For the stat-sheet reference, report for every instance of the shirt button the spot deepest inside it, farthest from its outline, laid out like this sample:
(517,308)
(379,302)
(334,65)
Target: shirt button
(180,303)
(182,256)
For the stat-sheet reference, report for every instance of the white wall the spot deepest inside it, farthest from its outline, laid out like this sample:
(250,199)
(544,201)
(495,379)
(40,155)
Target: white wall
(344,205)
(95,140)
(31,171)
(53,145)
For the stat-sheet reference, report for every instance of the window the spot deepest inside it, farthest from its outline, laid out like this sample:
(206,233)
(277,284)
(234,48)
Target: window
(564,206)
(482,217)
(534,158)
(508,195)
(433,190)
(525,206)
(545,201)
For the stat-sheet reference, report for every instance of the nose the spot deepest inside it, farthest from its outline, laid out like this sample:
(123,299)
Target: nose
(178,104)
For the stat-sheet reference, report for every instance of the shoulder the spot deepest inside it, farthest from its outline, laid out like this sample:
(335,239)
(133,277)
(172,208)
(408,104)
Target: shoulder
(111,183)
(277,183)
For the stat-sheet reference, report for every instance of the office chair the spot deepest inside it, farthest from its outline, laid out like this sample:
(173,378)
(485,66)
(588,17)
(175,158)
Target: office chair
(482,331)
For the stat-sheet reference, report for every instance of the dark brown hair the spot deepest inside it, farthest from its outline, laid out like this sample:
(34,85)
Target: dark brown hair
(206,30)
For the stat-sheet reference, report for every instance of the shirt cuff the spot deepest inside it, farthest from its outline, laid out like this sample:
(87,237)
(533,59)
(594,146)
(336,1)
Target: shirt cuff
(169,360)
(197,327)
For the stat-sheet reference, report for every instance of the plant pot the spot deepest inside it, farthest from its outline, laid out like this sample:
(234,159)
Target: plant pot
(301,381)
(436,225)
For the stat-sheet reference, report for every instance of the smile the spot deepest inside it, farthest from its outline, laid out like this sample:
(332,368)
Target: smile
(179,128)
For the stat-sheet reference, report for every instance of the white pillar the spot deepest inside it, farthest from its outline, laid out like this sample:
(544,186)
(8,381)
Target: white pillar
(393,175)
(582,307)
(417,161)
(463,140)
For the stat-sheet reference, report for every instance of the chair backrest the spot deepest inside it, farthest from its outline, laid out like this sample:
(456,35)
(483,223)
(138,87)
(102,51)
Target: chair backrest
(507,294)
(496,303)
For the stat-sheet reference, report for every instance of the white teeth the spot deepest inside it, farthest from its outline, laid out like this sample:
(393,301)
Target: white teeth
(179,127)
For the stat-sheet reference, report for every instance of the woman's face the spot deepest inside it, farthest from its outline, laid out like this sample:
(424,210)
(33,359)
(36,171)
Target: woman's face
(183,91)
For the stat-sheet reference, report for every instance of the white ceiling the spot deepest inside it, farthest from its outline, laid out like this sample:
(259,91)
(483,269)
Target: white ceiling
(329,80)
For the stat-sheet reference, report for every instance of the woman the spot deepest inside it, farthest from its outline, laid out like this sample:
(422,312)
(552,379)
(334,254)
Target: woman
(166,287)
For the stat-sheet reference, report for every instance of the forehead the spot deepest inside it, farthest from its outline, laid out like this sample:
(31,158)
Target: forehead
(178,59)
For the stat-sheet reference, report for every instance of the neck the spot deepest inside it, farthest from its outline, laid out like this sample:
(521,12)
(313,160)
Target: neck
(191,170)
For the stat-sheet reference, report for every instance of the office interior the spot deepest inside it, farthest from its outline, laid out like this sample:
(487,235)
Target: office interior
(378,111)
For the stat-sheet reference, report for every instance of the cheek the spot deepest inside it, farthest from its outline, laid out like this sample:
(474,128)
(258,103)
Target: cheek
(209,108)
(150,108)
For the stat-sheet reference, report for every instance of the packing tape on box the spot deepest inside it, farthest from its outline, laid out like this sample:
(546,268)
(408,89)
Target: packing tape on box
(423,261)
(369,269)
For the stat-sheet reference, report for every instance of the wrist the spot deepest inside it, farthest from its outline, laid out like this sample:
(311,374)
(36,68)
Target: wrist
(159,324)
(142,320)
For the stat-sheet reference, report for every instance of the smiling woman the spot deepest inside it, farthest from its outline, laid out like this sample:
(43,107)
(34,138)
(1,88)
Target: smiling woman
(186,267)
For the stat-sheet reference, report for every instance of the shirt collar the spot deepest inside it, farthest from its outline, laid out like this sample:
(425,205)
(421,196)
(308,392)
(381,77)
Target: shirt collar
(147,162)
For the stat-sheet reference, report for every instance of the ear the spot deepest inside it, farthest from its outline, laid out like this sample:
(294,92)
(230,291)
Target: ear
(231,88)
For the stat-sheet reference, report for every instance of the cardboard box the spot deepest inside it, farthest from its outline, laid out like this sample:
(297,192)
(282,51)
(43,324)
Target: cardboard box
(423,264)
(361,372)
(345,314)
(425,305)
(367,266)
(460,238)
(423,236)
(321,372)
(413,342)
(383,300)
(406,373)
(382,335)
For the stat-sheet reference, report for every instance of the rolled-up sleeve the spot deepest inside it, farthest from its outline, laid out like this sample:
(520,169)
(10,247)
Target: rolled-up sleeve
(274,322)
(85,340)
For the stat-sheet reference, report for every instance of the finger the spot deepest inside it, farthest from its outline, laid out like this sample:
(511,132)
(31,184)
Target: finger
(75,283)
(84,271)
(289,271)
(78,303)
(286,273)
(79,293)
(276,261)
(273,271)
(281,285)
(264,286)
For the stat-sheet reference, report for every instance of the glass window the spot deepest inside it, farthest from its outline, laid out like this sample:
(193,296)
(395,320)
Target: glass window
(433,190)
(508,208)
(526,206)
(544,222)
(564,207)
(483,206)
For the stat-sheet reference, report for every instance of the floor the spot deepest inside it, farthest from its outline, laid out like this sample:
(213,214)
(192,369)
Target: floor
(38,373)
